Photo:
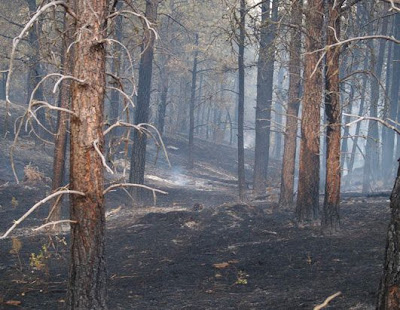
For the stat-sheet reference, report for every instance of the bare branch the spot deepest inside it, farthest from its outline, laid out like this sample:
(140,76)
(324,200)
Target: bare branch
(123,94)
(141,16)
(103,159)
(22,218)
(123,185)
(377,119)
(53,224)
(327,301)
(65,77)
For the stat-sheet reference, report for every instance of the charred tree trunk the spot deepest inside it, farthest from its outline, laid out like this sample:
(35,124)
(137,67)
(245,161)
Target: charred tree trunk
(199,106)
(330,219)
(87,273)
(193,103)
(265,81)
(116,65)
(138,159)
(289,151)
(389,289)
(35,73)
(162,108)
(240,110)
(371,166)
(60,142)
(307,208)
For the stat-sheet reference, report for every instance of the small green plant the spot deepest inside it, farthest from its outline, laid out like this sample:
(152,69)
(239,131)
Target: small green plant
(241,278)
(14,202)
(39,261)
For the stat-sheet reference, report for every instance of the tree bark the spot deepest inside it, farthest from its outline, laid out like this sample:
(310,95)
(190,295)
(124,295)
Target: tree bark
(265,81)
(331,219)
(138,159)
(162,108)
(389,289)
(241,42)
(60,143)
(289,150)
(193,103)
(35,73)
(307,208)
(87,273)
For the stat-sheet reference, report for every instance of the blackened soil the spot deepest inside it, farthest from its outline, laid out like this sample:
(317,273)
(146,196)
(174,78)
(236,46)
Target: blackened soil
(199,249)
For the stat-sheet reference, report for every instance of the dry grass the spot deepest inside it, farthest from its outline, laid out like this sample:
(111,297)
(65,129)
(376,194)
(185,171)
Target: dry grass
(32,174)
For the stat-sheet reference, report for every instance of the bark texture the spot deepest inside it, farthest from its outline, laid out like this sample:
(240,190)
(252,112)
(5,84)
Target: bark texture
(87,274)
(60,142)
(240,110)
(331,219)
(307,208)
(389,289)
(138,159)
(193,103)
(265,80)
(289,151)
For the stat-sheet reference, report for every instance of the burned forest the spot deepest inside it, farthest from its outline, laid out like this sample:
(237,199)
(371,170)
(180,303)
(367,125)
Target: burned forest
(185,154)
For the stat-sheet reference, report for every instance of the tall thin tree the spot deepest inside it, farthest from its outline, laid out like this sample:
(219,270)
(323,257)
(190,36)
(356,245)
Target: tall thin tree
(138,158)
(330,219)
(87,273)
(265,81)
(289,151)
(307,208)
(240,110)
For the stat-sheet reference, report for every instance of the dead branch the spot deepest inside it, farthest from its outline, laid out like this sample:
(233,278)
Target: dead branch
(67,77)
(103,159)
(131,67)
(122,185)
(141,16)
(17,39)
(123,94)
(327,301)
(22,218)
(377,119)
(53,224)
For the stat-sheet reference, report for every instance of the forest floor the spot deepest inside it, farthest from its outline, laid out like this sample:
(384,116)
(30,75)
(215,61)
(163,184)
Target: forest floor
(197,248)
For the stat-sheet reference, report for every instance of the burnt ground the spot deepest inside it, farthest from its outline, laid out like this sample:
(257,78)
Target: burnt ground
(197,248)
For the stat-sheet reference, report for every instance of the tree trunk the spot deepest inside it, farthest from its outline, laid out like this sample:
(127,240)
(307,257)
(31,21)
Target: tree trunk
(389,289)
(371,166)
(138,159)
(394,99)
(60,142)
(87,275)
(289,151)
(162,108)
(193,103)
(116,66)
(199,106)
(307,208)
(35,74)
(330,219)
(265,81)
(241,42)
